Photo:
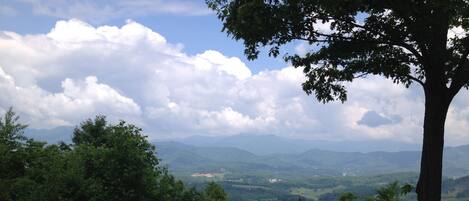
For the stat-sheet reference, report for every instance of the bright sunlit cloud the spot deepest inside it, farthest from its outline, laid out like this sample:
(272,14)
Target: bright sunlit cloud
(133,73)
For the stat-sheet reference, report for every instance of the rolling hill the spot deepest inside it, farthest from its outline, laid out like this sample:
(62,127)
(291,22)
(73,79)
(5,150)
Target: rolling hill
(189,159)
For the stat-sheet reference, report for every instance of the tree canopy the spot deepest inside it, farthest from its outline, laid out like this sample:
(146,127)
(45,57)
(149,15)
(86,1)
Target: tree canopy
(355,38)
(391,192)
(105,162)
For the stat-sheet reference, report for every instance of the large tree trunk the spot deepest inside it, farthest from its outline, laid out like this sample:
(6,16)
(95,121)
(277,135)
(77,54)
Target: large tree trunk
(436,108)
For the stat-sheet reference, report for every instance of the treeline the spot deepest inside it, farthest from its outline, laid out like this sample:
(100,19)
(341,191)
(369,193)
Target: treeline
(104,162)
(391,192)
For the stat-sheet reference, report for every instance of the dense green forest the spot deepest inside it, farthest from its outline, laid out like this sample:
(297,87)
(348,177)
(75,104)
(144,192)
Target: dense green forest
(104,162)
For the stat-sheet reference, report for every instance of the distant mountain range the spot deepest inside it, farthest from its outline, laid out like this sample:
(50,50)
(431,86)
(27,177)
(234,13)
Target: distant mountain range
(257,144)
(269,154)
(187,159)
(54,135)
(271,144)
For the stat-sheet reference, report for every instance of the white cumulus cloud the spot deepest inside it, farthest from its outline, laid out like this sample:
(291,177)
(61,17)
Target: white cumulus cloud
(76,101)
(131,72)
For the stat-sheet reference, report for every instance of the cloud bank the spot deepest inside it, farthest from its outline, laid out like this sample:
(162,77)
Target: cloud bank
(131,72)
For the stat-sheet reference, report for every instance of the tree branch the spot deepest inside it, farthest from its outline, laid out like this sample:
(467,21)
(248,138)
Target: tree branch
(461,76)
(416,80)
(384,39)
(361,75)
(392,41)
(464,59)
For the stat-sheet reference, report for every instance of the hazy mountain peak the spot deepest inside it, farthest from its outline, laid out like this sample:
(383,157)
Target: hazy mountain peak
(273,144)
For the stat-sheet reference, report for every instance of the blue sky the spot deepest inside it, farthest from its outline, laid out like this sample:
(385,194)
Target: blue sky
(197,32)
(165,66)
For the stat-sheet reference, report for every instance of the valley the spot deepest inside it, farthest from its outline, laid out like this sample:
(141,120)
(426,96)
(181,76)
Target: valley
(311,175)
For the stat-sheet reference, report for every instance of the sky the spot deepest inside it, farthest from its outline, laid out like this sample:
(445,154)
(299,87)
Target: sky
(165,66)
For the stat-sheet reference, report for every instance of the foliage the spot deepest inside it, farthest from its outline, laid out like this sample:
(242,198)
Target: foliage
(391,192)
(401,40)
(215,192)
(11,132)
(105,162)
(347,196)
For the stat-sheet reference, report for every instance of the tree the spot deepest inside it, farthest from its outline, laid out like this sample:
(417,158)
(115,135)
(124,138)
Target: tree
(11,132)
(391,192)
(92,132)
(403,40)
(12,156)
(347,196)
(215,193)
(117,160)
(118,163)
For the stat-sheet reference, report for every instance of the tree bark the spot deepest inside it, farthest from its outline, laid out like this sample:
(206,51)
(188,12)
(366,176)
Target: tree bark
(437,103)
